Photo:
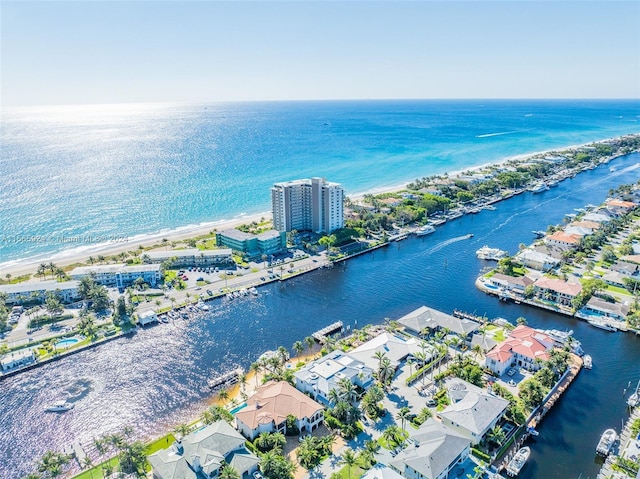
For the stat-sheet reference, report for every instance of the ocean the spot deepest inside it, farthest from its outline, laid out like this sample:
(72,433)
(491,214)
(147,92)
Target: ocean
(76,177)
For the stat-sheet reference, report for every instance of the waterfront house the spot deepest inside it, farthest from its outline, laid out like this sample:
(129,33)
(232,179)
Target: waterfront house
(632,258)
(598,217)
(525,347)
(16,359)
(147,317)
(20,293)
(485,342)
(592,225)
(267,410)
(192,257)
(254,246)
(381,471)
(511,283)
(473,411)
(557,290)
(432,453)
(620,207)
(578,231)
(560,238)
(425,318)
(119,276)
(537,260)
(321,376)
(618,311)
(203,453)
(395,348)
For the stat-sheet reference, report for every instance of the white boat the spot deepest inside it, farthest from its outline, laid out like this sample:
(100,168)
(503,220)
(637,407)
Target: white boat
(454,215)
(60,406)
(634,399)
(540,233)
(538,188)
(519,460)
(487,253)
(489,207)
(613,168)
(607,440)
(425,230)
(474,211)
(202,306)
(587,361)
(601,325)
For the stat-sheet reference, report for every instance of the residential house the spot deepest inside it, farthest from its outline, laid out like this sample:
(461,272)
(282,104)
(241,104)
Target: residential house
(557,290)
(620,207)
(324,374)
(536,260)
(203,453)
(511,283)
(381,471)
(592,225)
(624,267)
(525,347)
(560,238)
(598,217)
(395,348)
(578,231)
(604,308)
(614,278)
(434,451)
(267,410)
(20,293)
(631,258)
(473,412)
(147,317)
(425,318)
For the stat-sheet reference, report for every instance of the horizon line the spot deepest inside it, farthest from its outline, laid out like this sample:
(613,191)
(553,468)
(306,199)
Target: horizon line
(314,100)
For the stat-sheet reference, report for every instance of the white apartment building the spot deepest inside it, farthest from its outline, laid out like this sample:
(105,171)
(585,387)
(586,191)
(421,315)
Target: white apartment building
(120,275)
(307,205)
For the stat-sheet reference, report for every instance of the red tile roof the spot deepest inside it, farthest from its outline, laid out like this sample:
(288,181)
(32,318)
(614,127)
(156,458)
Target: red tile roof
(526,342)
(559,286)
(563,237)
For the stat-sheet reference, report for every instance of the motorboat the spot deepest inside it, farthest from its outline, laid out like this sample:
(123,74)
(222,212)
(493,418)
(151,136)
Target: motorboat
(425,230)
(60,406)
(519,460)
(602,325)
(607,440)
(201,305)
(494,254)
(539,234)
(538,188)
(587,361)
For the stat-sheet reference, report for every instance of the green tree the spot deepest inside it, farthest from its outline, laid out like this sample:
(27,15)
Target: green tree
(348,459)
(531,392)
(298,347)
(403,415)
(228,472)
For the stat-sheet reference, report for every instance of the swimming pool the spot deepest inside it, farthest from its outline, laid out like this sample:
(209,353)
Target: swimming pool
(238,408)
(67,342)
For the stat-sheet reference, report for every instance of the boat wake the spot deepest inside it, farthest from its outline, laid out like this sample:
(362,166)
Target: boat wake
(446,243)
(500,133)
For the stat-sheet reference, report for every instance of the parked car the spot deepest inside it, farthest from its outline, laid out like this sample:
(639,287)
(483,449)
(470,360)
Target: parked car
(257,475)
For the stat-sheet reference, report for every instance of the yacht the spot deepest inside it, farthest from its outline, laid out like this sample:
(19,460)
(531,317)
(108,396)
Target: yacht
(538,188)
(519,460)
(588,362)
(202,306)
(60,406)
(454,215)
(602,325)
(606,442)
(425,230)
(493,254)
(540,233)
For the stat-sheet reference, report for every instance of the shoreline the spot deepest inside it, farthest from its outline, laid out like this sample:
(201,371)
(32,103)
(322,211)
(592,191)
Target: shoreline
(80,254)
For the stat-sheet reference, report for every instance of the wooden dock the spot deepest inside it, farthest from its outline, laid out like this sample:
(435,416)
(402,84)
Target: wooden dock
(321,336)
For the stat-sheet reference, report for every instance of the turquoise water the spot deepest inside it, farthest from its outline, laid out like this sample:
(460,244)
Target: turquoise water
(76,177)
(65,343)
(238,408)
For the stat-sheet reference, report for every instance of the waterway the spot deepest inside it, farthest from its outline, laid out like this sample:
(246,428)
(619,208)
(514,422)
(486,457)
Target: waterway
(156,378)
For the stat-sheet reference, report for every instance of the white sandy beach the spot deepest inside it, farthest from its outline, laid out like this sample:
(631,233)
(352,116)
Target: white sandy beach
(80,255)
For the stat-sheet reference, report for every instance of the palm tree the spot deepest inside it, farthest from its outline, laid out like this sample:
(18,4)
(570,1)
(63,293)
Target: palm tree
(255,369)
(182,429)
(346,390)
(223,395)
(310,342)
(87,463)
(298,347)
(348,459)
(497,435)
(229,472)
(333,397)
(403,415)
(157,303)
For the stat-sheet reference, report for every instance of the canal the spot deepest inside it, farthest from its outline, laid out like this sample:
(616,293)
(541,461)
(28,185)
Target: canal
(156,378)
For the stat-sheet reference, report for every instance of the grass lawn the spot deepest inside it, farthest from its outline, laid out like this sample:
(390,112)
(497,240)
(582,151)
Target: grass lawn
(499,335)
(619,290)
(207,244)
(97,471)
(349,473)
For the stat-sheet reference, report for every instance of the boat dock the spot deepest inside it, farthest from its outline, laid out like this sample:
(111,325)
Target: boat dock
(627,447)
(321,335)
(226,379)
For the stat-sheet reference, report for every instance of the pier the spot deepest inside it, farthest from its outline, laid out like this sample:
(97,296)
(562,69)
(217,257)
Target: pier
(226,379)
(321,335)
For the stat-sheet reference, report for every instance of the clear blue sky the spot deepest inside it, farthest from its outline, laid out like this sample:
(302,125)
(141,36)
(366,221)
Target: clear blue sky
(148,51)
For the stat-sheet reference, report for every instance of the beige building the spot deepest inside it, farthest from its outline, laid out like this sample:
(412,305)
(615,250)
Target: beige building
(267,410)
(307,205)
